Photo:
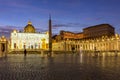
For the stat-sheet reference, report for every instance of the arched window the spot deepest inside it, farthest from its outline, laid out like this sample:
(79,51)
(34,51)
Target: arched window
(3,47)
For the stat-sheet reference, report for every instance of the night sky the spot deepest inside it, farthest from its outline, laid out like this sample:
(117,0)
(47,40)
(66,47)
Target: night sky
(68,15)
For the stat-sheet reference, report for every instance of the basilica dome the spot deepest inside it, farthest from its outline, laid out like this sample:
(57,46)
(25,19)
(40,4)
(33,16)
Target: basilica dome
(29,28)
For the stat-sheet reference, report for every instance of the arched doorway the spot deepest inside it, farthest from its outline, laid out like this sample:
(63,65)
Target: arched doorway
(3,46)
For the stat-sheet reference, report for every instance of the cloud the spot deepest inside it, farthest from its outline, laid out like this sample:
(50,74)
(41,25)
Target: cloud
(41,30)
(95,18)
(60,25)
(73,27)
(6,30)
(69,25)
(15,3)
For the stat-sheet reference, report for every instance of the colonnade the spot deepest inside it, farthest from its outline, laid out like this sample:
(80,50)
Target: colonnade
(100,44)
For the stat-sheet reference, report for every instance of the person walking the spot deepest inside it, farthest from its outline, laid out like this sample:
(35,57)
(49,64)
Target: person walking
(25,52)
(73,49)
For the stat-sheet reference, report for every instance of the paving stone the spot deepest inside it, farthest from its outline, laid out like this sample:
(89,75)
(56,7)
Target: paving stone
(59,67)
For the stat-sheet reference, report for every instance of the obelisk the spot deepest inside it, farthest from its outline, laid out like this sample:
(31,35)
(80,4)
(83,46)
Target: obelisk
(50,36)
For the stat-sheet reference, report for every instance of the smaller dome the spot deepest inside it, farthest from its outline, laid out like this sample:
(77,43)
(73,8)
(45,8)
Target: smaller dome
(29,28)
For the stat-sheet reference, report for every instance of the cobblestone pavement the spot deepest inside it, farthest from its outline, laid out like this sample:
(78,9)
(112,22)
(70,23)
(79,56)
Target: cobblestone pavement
(59,67)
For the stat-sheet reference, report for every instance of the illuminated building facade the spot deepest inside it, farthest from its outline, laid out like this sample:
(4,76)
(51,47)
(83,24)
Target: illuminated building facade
(88,33)
(88,40)
(70,35)
(67,35)
(100,38)
(29,39)
(100,44)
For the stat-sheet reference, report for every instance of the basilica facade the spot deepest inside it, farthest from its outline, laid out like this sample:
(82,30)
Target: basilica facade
(28,39)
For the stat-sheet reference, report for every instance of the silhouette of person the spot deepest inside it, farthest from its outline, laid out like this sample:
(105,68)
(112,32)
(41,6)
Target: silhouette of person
(73,48)
(25,52)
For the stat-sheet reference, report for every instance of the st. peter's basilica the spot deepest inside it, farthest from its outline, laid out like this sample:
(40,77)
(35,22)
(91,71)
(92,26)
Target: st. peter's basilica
(28,39)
